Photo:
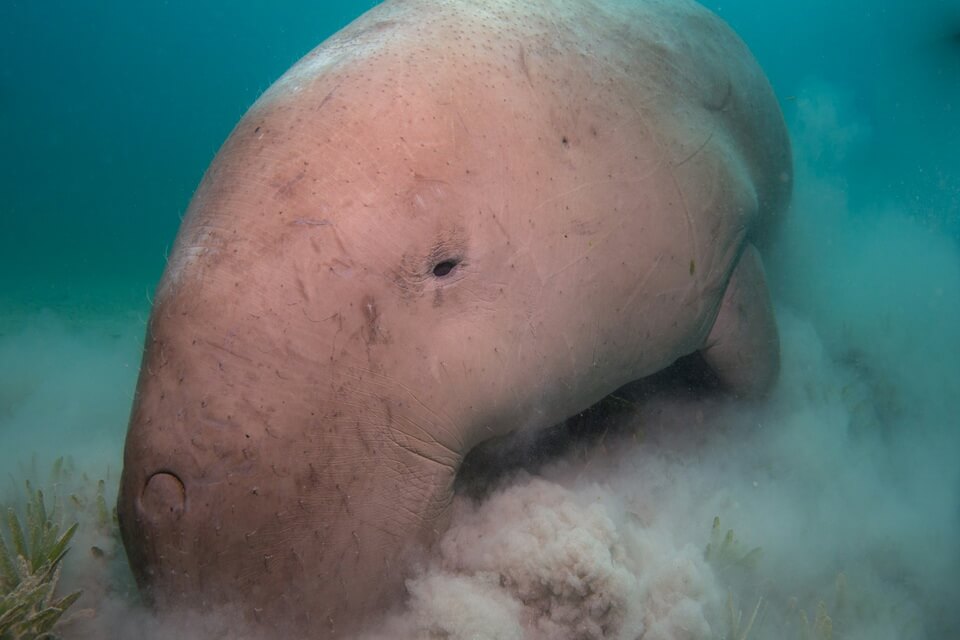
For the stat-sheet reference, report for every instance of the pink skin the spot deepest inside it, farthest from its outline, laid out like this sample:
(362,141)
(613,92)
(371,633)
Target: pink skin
(445,223)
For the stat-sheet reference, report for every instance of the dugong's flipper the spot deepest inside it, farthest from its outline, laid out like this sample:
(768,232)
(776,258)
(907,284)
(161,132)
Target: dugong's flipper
(743,347)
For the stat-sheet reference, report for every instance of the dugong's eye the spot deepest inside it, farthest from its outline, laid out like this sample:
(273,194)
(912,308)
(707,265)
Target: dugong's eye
(444,268)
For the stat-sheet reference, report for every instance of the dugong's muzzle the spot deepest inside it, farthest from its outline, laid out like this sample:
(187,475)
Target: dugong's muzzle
(245,486)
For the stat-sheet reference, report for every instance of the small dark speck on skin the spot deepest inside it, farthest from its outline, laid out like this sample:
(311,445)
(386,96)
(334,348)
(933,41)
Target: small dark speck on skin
(693,267)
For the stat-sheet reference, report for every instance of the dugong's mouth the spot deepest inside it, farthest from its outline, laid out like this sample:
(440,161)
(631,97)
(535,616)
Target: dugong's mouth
(619,414)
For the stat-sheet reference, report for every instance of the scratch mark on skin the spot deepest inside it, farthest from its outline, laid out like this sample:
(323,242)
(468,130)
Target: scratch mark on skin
(695,285)
(641,285)
(453,125)
(233,353)
(583,256)
(593,183)
(269,432)
(327,98)
(310,222)
(596,345)
(342,138)
(344,500)
(373,333)
(523,65)
(697,150)
(694,288)
(330,317)
(285,190)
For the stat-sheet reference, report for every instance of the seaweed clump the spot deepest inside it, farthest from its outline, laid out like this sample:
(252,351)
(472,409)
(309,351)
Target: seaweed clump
(30,564)
(733,563)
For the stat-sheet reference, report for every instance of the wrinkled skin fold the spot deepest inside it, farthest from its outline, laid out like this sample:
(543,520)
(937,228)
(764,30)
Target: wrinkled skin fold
(449,221)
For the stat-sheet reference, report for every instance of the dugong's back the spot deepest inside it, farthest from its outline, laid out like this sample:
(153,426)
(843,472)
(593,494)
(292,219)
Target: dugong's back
(669,70)
(453,218)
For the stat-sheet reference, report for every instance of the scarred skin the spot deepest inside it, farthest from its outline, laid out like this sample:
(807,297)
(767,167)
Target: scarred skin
(451,220)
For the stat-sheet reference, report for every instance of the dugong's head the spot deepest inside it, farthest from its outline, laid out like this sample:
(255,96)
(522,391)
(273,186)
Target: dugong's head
(410,244)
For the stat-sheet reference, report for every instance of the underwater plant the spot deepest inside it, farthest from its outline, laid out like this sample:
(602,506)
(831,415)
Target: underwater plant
(737,629)
(725,552)
(30,564)
(822,627)
(96,567)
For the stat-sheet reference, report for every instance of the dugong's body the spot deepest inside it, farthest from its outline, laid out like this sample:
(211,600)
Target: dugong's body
(453,219)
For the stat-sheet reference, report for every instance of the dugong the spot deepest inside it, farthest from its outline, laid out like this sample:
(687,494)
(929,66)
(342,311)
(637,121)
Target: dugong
(451,220)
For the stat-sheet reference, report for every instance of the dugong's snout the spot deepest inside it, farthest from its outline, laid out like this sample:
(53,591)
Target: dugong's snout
(184,445)
(152,512)
(221,463)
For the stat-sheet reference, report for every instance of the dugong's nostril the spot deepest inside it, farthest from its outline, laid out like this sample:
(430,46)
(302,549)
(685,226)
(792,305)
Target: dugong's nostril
(163,495)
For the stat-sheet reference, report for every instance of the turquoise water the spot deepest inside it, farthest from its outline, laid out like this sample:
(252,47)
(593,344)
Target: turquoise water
(110,112)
